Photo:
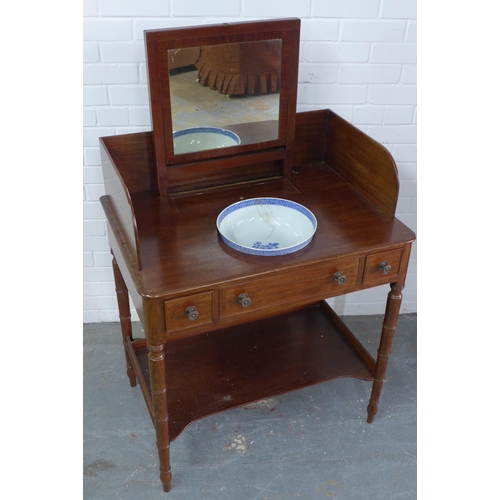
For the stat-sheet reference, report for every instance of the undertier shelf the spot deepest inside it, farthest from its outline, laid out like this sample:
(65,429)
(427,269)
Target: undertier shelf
(234,366)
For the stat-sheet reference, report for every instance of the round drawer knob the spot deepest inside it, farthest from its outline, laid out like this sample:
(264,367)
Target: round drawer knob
(384,267)
(191,313)
(244,300)
(339,277)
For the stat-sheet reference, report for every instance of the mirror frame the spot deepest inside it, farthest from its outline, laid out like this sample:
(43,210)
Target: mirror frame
(159,42)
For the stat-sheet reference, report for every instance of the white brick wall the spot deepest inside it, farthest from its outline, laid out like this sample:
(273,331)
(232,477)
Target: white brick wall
(357,58)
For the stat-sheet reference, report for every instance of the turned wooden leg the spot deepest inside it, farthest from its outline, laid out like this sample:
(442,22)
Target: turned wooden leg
(124,311)
(389,326)
(160,411)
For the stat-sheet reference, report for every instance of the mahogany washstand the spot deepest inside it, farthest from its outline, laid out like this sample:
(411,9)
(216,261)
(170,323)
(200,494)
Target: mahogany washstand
(168,258)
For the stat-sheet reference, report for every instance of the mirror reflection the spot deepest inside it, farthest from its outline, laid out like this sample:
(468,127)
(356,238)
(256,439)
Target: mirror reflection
(225,95)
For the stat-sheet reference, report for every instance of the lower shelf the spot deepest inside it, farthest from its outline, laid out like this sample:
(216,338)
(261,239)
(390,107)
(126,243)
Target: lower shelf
(234,366)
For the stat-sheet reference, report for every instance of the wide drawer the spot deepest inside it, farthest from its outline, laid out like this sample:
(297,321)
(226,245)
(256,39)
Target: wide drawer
(324,279)
(382,267)
(189,311)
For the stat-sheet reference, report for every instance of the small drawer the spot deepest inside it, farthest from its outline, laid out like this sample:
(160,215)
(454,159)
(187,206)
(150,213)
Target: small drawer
(321,280)
(188,312)
(382,267)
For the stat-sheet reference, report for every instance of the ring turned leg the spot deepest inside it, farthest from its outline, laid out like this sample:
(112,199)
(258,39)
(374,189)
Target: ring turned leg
(389,326)
(160,411)
(125,318)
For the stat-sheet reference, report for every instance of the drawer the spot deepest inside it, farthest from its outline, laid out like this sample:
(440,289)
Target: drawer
(319,280)
(189,311)
(382,267)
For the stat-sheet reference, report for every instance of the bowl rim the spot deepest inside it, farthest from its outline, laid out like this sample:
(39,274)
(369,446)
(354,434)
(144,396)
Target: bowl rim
(270,201)
(204,129)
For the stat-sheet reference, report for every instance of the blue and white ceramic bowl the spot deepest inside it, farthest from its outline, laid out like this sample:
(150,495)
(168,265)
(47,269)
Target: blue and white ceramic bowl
(194,139)
(266,226)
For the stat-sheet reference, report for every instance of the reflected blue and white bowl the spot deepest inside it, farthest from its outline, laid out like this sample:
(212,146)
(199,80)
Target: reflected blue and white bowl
(266,226)
(194,139)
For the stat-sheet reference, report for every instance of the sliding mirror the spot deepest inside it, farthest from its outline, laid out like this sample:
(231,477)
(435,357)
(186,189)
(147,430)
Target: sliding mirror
(223,95)
(222,90)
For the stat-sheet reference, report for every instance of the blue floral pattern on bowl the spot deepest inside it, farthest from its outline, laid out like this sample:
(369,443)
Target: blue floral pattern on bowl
(268,246)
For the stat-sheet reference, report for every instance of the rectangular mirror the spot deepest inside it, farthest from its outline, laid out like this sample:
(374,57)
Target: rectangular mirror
(235,75)
(223,98)
(224,95)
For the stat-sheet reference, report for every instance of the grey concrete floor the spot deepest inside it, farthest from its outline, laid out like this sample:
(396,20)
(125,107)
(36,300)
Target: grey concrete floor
(309,444)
